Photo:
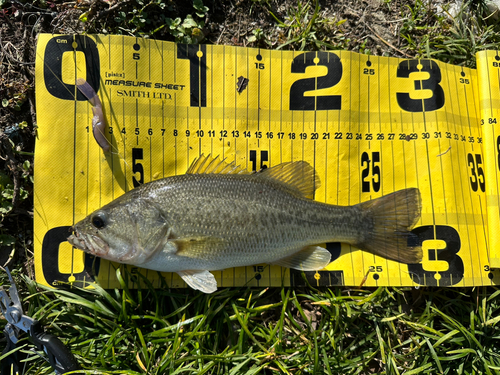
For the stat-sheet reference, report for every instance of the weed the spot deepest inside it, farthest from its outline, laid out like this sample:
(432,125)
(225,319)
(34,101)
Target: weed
(152,18)
(259,38)
(306,28)
(454,40)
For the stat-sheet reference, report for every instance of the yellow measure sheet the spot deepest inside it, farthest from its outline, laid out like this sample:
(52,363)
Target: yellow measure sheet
(369,125)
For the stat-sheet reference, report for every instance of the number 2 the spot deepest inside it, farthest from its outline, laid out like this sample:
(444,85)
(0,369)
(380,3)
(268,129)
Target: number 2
(298,101)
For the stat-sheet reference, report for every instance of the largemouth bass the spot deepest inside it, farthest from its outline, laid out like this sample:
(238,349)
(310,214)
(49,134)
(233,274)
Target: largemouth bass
(219,215)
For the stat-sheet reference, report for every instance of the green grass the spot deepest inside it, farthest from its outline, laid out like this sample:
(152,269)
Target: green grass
(270,331)
(456,41)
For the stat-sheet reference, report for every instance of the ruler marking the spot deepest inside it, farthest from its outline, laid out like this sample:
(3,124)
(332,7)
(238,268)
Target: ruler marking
(236,107)
(360,191)
(247,118)
(462,158)
(175,109)
(88,169)
(281,107)
(163,138)
(109,52)
(175,138)
(388,64)
(123,52)
(270,117)
(291,139)
(382,185)
(136,121)
(303,130)
(353,271)
(450,145)
(489,86)
(212,101)
(75,102)
(404,152)
(200,101)
(429,173)
(497,160)
(368,116)
(469,189)
(360,119)
(162,63)
(484,223)
(479,196)
(258,96)
(150,146)
(136,64)
(224,101)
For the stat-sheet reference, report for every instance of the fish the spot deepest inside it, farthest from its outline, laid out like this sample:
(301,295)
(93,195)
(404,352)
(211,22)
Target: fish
(219,215)
(99,123)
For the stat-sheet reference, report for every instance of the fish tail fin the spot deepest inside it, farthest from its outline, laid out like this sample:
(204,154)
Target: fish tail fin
(391,218)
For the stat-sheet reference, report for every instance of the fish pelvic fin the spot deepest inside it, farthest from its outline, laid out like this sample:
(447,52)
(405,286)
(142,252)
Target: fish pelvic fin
(310,258)
(212,165)
(199,280)
(298,176)
(391,218)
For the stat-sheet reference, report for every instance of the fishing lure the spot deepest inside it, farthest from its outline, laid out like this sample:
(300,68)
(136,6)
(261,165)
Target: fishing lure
(99,124)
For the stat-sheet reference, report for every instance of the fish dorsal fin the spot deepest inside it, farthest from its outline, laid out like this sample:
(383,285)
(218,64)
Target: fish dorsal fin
(299,176)
(212,165)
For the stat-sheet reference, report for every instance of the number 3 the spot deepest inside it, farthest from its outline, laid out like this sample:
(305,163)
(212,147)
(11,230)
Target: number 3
(436,101)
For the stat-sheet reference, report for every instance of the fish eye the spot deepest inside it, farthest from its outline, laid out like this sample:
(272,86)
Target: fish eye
(99,220)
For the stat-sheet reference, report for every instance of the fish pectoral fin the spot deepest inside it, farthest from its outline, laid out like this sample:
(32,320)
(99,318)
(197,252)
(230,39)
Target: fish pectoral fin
(199,280)
(310,258)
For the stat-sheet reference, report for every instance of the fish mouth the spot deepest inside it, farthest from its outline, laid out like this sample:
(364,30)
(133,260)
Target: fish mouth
(89,243)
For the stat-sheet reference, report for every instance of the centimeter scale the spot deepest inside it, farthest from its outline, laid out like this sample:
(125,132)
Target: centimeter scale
(369,125)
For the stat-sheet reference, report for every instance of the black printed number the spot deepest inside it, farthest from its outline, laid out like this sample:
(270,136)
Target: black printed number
(264,156)
(432,103)
(53,65)
(366,183)
(197,56)
(476,170)
(298,101)
(137,154)
(430,277)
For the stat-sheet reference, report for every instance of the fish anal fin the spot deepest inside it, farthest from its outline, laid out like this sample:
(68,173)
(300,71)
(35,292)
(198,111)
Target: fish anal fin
(298,176)
(212,165)
(199,280)
(310,258)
